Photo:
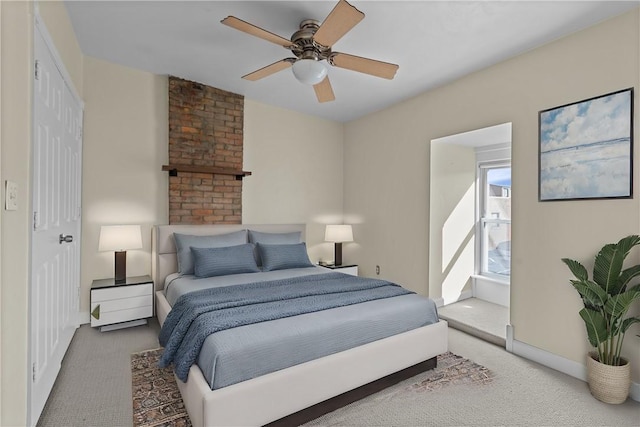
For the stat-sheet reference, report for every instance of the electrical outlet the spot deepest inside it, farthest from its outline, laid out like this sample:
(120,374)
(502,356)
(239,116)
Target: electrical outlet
(378,270)
(11,196)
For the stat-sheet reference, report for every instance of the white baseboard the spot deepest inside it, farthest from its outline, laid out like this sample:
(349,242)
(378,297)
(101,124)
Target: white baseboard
(553,361)
(509,345)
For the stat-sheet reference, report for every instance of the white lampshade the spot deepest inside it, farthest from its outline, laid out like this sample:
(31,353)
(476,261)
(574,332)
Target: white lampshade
(120,237)
(309,71)
(338,233)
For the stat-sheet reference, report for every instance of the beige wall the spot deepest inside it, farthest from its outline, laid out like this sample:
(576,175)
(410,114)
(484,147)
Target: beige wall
(387,193)
(297,165)
(387,177)
(17,35)
(452,224)
(124,148)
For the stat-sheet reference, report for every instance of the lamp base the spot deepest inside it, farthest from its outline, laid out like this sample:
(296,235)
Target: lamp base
(338,254)
(121,267)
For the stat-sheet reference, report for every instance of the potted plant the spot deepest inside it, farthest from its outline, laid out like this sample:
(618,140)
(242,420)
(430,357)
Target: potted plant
(607,299)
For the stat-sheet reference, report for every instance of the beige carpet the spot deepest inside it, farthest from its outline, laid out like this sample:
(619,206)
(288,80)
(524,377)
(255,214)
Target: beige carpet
(94,389)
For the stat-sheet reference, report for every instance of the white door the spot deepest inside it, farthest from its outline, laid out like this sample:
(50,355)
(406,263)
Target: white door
(55,238)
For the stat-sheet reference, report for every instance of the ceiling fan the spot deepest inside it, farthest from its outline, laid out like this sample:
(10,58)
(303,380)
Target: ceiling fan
(311,45)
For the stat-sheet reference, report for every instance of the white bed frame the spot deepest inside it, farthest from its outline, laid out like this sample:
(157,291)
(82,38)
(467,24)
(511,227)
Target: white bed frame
(277,395)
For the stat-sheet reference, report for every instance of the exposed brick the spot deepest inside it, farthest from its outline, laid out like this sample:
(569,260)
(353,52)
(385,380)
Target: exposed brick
(189,206)
(222,200)
(202,175)
(205,129)
(217,219)
(203,212)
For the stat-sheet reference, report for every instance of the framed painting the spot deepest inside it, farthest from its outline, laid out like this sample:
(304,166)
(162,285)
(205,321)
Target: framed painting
(586,149)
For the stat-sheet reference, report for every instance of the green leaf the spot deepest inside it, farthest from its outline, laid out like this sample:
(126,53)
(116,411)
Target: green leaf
(592,295)
(628,274)
(607,268)
(596,326)
(576,268)
(618,305)
(627,243)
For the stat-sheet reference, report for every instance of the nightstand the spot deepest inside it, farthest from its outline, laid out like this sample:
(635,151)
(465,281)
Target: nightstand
(121,305)
(346,269)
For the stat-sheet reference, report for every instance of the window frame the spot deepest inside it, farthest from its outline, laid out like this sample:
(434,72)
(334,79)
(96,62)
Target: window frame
(481,258)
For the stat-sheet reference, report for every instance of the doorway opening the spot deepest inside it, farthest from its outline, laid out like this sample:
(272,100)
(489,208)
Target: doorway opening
(470,230)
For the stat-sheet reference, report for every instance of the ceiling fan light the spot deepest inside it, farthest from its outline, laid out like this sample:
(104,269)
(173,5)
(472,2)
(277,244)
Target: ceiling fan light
(309,71)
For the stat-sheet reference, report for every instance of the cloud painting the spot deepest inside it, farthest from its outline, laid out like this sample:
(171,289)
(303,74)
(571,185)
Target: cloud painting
(585,149)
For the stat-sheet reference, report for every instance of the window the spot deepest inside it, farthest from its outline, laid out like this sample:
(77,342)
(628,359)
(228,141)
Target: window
(495,220)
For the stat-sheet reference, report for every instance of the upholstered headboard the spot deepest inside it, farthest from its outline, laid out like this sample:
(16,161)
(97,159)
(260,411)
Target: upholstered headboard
(163,249)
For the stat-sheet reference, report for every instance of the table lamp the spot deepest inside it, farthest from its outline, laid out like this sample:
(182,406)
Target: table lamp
(119,238)
(338,234)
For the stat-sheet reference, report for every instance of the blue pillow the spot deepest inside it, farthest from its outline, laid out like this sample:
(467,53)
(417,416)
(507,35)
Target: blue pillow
(184,243)
(281,257)
(273,239)
(209,262)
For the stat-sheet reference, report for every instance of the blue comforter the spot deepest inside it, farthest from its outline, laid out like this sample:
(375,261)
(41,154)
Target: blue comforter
(198,314)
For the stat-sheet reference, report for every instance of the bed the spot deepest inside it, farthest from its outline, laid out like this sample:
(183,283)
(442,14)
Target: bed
(306,390)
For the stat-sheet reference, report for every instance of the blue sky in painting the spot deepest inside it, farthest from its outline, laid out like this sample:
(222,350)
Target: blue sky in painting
(585,123)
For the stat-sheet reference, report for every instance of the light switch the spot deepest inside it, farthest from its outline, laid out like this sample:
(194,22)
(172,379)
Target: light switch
(11,196)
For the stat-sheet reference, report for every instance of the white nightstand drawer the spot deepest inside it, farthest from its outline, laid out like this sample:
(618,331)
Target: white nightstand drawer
(120,292)
(126,303)
(122,315)
(106,311)
(121,304)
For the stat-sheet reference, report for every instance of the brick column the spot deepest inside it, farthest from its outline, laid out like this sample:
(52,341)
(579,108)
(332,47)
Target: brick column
(205,129)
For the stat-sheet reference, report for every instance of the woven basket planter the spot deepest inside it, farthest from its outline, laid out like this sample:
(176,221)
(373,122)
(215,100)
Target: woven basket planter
(609,384)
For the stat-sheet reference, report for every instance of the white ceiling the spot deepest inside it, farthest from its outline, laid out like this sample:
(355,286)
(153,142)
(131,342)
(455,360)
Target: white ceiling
(434,42)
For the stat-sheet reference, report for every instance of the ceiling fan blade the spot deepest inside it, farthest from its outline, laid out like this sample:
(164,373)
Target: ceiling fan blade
(269,69)
(342,18)
(248,28)
(324,91)
(373,67)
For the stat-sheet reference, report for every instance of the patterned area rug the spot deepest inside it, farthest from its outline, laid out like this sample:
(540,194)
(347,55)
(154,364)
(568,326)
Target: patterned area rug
(452,369)
(156,398)
(157,401)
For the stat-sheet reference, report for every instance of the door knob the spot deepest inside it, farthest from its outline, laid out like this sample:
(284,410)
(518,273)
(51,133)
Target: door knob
(65,238)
